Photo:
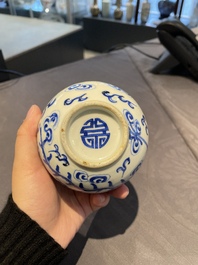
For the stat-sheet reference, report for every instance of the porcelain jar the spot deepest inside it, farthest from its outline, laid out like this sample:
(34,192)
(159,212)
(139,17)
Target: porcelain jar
(92,136)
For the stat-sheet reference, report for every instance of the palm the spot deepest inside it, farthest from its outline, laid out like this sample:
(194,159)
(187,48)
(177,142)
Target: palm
(50,200)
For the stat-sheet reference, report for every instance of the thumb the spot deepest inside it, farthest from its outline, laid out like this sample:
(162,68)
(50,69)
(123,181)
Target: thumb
(30,124)
(26,143)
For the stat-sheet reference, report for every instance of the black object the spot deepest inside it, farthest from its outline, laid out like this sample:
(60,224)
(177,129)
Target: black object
(100,34)
(137,11)
(181,42)
(166,8)
(4,76)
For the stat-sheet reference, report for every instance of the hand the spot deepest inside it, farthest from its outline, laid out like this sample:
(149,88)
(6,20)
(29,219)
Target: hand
(59,210)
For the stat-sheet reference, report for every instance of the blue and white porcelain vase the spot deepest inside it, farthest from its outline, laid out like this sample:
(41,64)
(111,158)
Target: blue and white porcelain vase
(92,137)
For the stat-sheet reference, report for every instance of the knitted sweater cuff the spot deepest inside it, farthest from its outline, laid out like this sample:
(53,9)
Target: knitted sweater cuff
(23,241)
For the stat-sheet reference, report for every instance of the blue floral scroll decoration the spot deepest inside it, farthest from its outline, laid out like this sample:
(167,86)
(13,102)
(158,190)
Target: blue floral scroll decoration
(134,133)
(46,136)
(49,125)
(113,98)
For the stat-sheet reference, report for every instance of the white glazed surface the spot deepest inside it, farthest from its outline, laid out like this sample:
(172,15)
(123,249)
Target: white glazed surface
(92,136)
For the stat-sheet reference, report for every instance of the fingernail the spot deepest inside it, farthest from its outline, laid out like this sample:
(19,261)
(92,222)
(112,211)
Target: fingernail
(30,112)
(101,198)
(126,193)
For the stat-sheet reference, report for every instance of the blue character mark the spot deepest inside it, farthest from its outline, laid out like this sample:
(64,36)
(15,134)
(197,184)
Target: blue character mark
(123,168)
(113,98)
(95,133)
(134,133)
(69,101)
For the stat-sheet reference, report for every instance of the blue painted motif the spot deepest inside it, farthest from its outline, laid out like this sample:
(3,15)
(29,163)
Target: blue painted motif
(94,181)
(134,133)
(61,157)
(51,102)
(49,105)
(69,101)
(123,168)
(136,169)
(99,179)
(96,187)
(95,133)
(46,136)
(81,176)
(67,179)
(48,125)
(80,87)
(113,98)
(144,123)
(115,87)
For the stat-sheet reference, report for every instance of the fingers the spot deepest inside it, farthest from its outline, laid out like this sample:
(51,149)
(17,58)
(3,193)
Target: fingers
(98,201)
(102,199)
(121,192)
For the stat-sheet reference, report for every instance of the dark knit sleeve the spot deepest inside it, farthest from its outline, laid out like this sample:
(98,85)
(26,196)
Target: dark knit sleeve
(23,241)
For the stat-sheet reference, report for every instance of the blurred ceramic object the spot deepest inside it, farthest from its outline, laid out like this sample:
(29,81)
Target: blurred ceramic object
(105,8)
(49,12)
(130,10)
(61,7)
(95,11)
(118,13)
(194,19)
(92,137)
(145,11)
(166,7)
(22,3)
(75,6)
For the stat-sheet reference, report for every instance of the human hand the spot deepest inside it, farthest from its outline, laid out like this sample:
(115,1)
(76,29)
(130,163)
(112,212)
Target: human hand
(59,210)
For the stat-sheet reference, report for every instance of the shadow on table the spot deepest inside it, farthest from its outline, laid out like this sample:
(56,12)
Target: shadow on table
(108,222)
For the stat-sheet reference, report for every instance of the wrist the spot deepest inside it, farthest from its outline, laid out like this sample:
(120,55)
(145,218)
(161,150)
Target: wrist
(28,241)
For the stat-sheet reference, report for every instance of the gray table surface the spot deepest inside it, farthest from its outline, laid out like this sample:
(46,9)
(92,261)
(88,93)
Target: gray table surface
(21,34)
(158,222)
